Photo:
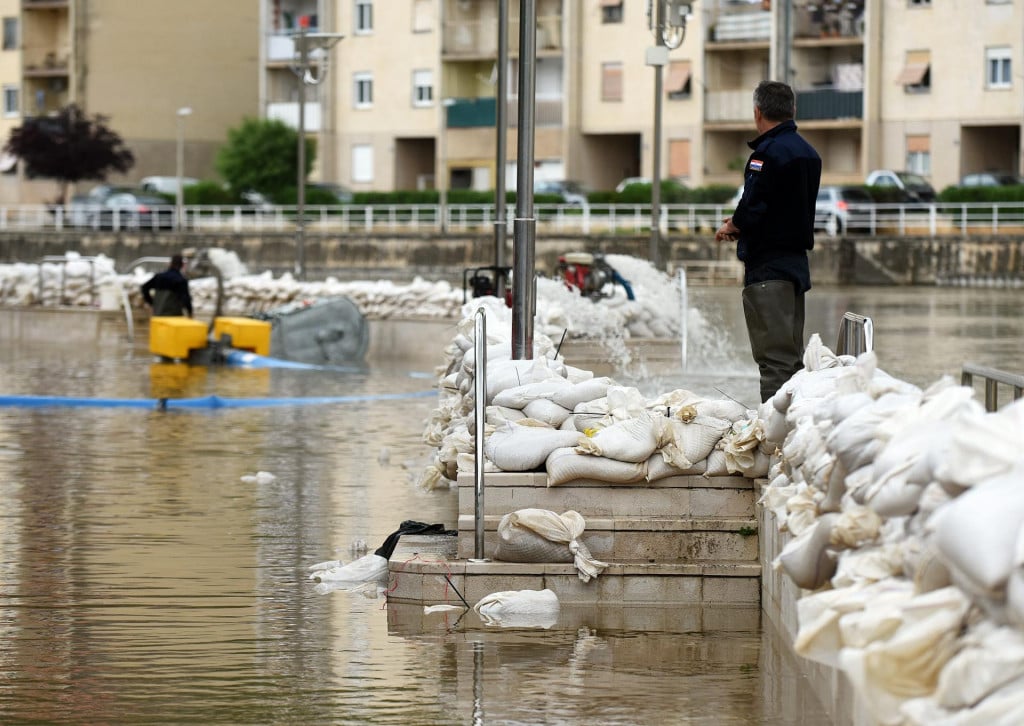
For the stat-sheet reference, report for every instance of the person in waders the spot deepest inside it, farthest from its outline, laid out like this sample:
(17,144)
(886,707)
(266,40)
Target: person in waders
(773,227)
(167,292)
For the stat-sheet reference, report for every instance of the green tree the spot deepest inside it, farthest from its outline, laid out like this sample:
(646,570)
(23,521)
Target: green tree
(262,155)
(69,147)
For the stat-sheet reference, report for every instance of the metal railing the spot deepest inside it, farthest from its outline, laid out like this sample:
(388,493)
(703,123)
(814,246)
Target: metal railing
(931,220)
(856,335)
(993,377)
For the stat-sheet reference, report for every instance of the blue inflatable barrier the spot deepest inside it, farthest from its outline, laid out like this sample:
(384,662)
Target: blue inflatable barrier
(203,402)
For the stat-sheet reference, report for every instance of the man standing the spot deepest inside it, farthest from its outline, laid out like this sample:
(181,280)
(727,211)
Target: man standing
(773,227)
(167,292)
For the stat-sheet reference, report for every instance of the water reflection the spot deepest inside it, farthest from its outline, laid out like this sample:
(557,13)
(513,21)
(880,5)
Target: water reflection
(144,581)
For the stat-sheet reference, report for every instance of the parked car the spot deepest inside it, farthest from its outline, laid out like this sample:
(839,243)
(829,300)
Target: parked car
(571,192)
(841,209)
(912,187)
(123,209)
(992,179)
(340,193)
(166,184)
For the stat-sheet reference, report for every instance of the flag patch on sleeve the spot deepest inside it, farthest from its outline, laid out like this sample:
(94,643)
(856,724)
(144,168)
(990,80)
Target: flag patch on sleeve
(756,164)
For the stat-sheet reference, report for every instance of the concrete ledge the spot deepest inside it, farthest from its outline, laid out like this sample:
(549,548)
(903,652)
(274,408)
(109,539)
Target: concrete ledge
(779,598)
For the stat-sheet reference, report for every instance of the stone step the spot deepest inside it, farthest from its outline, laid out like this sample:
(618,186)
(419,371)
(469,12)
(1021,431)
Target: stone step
(421,580)
(668,540)
(696,496)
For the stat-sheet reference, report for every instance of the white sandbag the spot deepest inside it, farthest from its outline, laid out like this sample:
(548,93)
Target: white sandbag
(368,568)
(716,464)
(868,564)
(684,444)
(625,402)
(520,396)
(498,415)
(519,608)
(855,527)
(741,445)
(566,527)
(547,411)
(505,374)
(566,464)
(808,559)
(976,533)
(855,440)
(517,542)
(774,424)
(658,468)
(633,439)
(989,657)
(571,396)
(982,448)
(519,447)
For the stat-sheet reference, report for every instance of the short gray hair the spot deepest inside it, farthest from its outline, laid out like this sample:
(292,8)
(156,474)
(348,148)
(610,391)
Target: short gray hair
(776,100)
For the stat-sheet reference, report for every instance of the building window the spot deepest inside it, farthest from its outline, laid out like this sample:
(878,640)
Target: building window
(677,85)
(10,33)
(11,101)
(611,11)
(679,158)
(364,17)
(362,163)
(916,76)
(997,68)
(422,16)
(611,81)
(363,91)
(919,155)
(422,88)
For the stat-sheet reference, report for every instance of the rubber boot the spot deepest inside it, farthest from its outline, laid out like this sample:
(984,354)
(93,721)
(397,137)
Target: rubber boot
(775,324)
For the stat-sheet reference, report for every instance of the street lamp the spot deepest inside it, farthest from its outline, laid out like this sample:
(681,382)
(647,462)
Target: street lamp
(310,68)
(443,175)
(179,193)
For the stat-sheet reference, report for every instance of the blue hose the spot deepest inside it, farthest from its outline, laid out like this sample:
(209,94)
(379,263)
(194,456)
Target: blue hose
(203,402)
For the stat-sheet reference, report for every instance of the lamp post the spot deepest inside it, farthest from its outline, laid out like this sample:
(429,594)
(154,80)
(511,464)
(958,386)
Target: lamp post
(179,192)
(443,176)
(310,68)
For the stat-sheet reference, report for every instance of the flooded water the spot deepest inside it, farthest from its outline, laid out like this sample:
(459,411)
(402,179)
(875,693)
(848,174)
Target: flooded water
(148,576)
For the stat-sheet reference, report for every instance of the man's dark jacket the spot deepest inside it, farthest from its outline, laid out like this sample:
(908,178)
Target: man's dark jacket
(172,294)
(775,216)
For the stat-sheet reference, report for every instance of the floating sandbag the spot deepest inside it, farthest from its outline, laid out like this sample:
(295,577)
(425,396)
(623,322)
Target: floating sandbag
(633,439)
(519,608)
(565,528)
(519,446)
(566,464)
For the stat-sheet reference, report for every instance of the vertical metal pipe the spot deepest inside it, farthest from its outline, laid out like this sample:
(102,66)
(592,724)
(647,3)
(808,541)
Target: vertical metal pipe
(479,412)
(525,226)
(501,94)
(300,184)
(659,34)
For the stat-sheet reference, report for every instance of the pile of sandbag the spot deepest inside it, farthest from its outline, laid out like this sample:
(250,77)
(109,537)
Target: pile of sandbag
(544,415)
(907,507)
(76,281)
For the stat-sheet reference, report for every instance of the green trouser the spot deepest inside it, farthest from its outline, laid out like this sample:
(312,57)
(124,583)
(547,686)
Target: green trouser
(775,324)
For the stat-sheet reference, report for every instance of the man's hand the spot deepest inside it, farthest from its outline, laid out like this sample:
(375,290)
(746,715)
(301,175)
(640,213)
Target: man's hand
(727,232)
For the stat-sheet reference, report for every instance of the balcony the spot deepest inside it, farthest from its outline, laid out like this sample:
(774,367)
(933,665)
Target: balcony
(739,22)
(476,38)
(464,113)
(729,107)
(828,19)
(289,114)
(829,104)
(40,64)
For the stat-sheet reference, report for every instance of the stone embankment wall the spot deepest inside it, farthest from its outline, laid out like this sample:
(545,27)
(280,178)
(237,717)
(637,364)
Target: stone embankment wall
(851,260)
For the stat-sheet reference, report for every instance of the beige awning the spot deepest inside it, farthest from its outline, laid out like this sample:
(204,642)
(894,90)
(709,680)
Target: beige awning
(918,144)
(678,75)
(916,67)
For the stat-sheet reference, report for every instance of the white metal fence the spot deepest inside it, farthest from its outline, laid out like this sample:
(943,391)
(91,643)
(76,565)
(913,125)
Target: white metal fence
(876,219)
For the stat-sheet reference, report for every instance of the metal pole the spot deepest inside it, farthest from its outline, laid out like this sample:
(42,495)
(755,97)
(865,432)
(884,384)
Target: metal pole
(501,93)
(480,412)
(525,226)
(300,224)
(659,29)
(179,169)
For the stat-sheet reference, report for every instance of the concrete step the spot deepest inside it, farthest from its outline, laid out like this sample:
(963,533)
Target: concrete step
(426,581)
(668,540)
(696,496)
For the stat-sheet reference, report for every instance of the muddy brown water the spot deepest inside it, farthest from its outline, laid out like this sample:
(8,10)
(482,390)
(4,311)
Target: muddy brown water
(146,577)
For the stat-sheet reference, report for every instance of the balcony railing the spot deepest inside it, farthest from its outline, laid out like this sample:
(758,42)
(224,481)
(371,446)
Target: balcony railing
(828,19)
(827,103)
(482,112)
(931,220)
(728,106)
(479,38)
(288,112)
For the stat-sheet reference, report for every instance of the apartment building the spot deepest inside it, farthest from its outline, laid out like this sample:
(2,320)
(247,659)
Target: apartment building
(137,63)
(932,87)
